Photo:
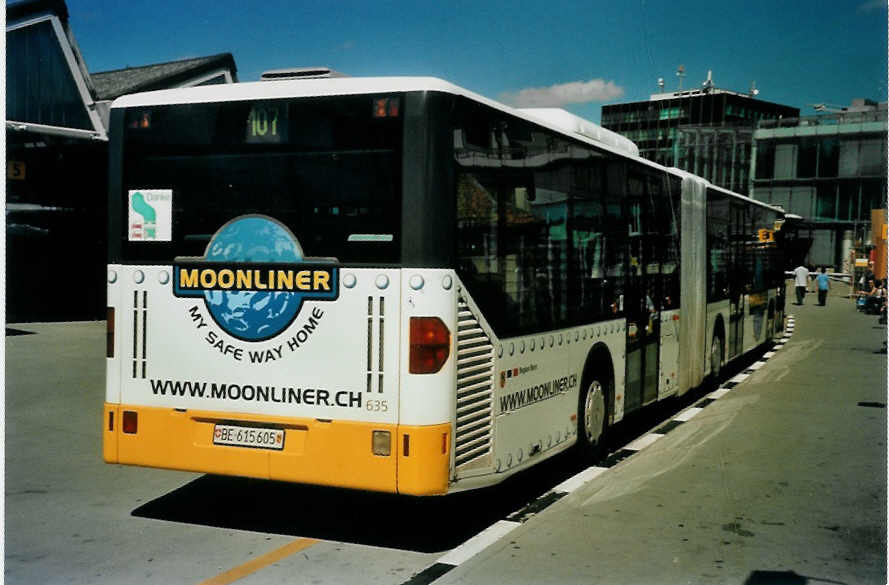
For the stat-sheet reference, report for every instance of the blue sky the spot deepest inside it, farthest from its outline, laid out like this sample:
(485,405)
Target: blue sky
(573,54)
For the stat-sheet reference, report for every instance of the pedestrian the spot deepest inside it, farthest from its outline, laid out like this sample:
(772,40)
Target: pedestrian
(877,298)
(801,280)
(866,278)
(823,286)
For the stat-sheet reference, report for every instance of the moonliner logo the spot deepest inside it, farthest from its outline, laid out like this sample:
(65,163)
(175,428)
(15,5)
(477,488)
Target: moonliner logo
(253,278)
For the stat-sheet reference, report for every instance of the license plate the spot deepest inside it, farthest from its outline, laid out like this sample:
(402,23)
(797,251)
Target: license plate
(256,437)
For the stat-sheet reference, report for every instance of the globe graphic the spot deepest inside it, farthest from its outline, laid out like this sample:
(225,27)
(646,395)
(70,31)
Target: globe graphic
(253,315)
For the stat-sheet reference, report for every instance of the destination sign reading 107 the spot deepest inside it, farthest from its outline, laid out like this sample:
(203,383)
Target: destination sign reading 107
(267,124)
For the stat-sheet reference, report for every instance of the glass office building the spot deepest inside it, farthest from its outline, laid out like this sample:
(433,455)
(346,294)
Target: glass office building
(831,170)
(706,131)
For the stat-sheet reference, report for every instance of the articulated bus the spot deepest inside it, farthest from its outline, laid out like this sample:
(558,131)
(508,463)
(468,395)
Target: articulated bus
(395,284)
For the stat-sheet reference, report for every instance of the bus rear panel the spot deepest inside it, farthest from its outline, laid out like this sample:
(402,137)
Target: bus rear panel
(259,322)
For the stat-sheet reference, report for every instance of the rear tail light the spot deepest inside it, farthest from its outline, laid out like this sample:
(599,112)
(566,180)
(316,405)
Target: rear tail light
(430,345)
(109,333)
(130,422)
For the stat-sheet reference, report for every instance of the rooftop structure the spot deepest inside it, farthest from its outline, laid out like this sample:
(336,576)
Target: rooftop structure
(198,71)
(705,130)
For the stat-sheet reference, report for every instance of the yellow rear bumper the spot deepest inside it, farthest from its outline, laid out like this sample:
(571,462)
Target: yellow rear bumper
(334,453)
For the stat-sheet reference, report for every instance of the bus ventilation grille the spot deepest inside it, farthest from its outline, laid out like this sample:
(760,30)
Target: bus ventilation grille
(475,387)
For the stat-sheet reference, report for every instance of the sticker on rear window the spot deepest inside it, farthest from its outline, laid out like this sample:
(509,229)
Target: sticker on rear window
(150,215)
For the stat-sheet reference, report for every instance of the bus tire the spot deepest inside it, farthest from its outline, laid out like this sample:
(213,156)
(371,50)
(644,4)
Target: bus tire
(592,417)
(717,352)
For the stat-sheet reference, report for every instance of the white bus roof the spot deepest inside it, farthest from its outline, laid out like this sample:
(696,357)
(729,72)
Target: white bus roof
(552,118)
(287,88)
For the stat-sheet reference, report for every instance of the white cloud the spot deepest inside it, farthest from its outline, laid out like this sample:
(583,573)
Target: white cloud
(561,94)
(871,6)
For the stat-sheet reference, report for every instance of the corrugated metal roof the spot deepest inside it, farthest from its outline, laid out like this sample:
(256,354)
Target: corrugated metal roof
(113,84)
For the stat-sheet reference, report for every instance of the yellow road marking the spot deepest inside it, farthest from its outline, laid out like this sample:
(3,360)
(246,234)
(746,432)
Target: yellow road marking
(260,562)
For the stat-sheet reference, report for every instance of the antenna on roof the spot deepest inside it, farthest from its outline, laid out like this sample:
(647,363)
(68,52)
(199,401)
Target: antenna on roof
(708,83)
(660,83)
(680,73)
(753,91)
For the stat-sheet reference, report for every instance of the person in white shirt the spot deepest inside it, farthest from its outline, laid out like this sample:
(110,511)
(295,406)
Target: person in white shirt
(801,280)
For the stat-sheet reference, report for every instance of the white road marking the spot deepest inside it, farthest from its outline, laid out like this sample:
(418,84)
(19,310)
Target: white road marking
(479,542)
(757,365)
(572,483)
(739,378)
(643,442)
(768,354)
(687,414)
(716,394)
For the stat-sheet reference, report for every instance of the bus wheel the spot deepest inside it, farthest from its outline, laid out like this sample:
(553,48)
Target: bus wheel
(591,428)
(716,358)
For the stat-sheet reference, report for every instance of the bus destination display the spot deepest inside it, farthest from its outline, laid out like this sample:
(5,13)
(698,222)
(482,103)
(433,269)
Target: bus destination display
(266,124)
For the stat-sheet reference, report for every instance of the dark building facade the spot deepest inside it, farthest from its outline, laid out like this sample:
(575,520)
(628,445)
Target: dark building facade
(56,165)
(705,131)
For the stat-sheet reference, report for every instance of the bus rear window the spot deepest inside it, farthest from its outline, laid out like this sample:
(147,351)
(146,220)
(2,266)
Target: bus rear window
(326,168)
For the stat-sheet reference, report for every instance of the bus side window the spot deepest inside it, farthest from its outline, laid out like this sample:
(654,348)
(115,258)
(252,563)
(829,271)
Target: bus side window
(586,218)
(477,239)
(616,236)
(528,301)
(718,265)
(669,213)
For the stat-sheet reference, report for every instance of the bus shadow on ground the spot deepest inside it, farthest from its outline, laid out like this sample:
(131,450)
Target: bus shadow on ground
(14,332)
(430,524)
(426,525)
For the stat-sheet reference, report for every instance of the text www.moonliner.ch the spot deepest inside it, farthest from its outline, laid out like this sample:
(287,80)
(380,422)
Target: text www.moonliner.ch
(538,393)
(251,393)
